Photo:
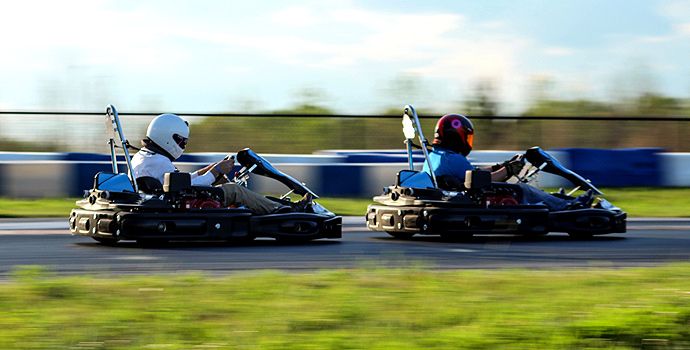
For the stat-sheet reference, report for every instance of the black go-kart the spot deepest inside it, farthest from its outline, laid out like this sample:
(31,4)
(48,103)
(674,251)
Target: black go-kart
(421,204)
(118,208)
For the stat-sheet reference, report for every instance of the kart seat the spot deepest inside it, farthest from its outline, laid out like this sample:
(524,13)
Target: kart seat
(474,180)
(450,183)
(149,185)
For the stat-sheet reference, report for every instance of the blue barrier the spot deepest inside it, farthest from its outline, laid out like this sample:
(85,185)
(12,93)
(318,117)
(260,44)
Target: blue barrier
(350,173)
(617,167)
(343,181)
(379,156)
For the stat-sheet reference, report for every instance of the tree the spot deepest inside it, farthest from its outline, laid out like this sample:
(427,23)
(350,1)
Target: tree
(483,101)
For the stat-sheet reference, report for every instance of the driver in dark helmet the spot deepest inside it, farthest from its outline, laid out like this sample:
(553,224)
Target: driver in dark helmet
(166,139)
(453,139)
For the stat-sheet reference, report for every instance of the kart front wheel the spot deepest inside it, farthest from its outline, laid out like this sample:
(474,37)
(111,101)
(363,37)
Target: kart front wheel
(400,235)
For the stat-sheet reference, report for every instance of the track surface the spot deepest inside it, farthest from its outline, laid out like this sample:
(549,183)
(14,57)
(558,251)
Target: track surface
(48,243)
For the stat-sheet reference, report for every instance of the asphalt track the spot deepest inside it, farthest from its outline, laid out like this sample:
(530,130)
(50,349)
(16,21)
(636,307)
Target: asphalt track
(48,243)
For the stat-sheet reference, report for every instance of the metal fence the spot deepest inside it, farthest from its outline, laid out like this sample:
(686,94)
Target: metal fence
(292,133)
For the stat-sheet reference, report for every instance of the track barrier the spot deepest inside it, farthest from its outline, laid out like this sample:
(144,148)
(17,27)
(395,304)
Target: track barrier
(344,173)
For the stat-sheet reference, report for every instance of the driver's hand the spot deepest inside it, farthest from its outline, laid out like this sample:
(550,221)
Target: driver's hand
(517,156)
(225,166)
(514,166)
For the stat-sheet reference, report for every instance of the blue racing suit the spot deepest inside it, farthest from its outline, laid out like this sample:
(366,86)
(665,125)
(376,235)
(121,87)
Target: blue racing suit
(445,162)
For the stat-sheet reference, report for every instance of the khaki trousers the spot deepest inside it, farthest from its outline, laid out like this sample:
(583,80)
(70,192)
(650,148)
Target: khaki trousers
(240,195)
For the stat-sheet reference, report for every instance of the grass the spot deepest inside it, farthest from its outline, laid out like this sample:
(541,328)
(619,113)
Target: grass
(351,309)
(651,202)
(27,208)
(638,202)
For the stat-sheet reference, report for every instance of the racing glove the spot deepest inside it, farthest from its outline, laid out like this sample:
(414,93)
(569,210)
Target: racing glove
(513,167)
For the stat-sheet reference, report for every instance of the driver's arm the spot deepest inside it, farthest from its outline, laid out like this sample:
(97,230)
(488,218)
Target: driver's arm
(211,174)
(500,175)
(497,175)
(203,170)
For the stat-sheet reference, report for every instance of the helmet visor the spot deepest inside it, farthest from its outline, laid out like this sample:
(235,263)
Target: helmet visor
(180,140)
(470,140)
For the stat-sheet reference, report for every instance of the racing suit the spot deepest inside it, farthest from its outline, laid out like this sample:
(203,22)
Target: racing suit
(445,162)
(149,163)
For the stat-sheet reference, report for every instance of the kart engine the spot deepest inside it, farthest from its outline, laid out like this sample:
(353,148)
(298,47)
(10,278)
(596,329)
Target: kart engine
(181,193)
(501,195)
(201,203)
(501,199)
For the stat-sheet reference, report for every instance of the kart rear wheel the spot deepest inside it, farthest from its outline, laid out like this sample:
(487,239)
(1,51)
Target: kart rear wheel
(400,235)
(106,241)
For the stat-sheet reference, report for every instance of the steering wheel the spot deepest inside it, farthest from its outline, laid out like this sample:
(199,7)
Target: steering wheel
(530,173)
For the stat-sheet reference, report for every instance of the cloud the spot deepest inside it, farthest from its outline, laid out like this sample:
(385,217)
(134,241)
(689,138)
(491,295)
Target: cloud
(79,32)
(433,44)
(683,29)
(341,37)
(374,36)
(294,17)
(678,9)
(654,39)
(341,45)
(558,51)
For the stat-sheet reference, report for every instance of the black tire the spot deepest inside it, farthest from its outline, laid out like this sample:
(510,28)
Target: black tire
(106,241)
(401,235)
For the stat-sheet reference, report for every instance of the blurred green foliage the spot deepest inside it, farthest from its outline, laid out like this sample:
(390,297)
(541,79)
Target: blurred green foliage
(374,308)
(291,132)
(19,146)
(286,134)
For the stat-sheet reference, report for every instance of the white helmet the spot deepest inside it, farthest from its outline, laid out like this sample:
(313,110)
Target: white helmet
(169,132)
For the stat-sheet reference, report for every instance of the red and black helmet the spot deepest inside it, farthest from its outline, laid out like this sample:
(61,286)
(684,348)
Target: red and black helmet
(455,132)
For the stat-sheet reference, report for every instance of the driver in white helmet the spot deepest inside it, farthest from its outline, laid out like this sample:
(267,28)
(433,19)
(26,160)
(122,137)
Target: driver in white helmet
(166,139)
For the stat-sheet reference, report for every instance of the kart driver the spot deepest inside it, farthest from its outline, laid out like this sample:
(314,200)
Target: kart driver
(166,139)
(453,138)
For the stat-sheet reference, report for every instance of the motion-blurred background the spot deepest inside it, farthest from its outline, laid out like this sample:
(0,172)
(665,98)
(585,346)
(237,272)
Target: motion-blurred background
(489,58)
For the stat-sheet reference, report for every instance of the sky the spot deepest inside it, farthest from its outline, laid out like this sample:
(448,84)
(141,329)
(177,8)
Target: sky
(253,56)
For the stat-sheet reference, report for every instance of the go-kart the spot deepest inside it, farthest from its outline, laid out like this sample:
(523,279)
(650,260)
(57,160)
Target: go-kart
(419,203)
(118,207)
